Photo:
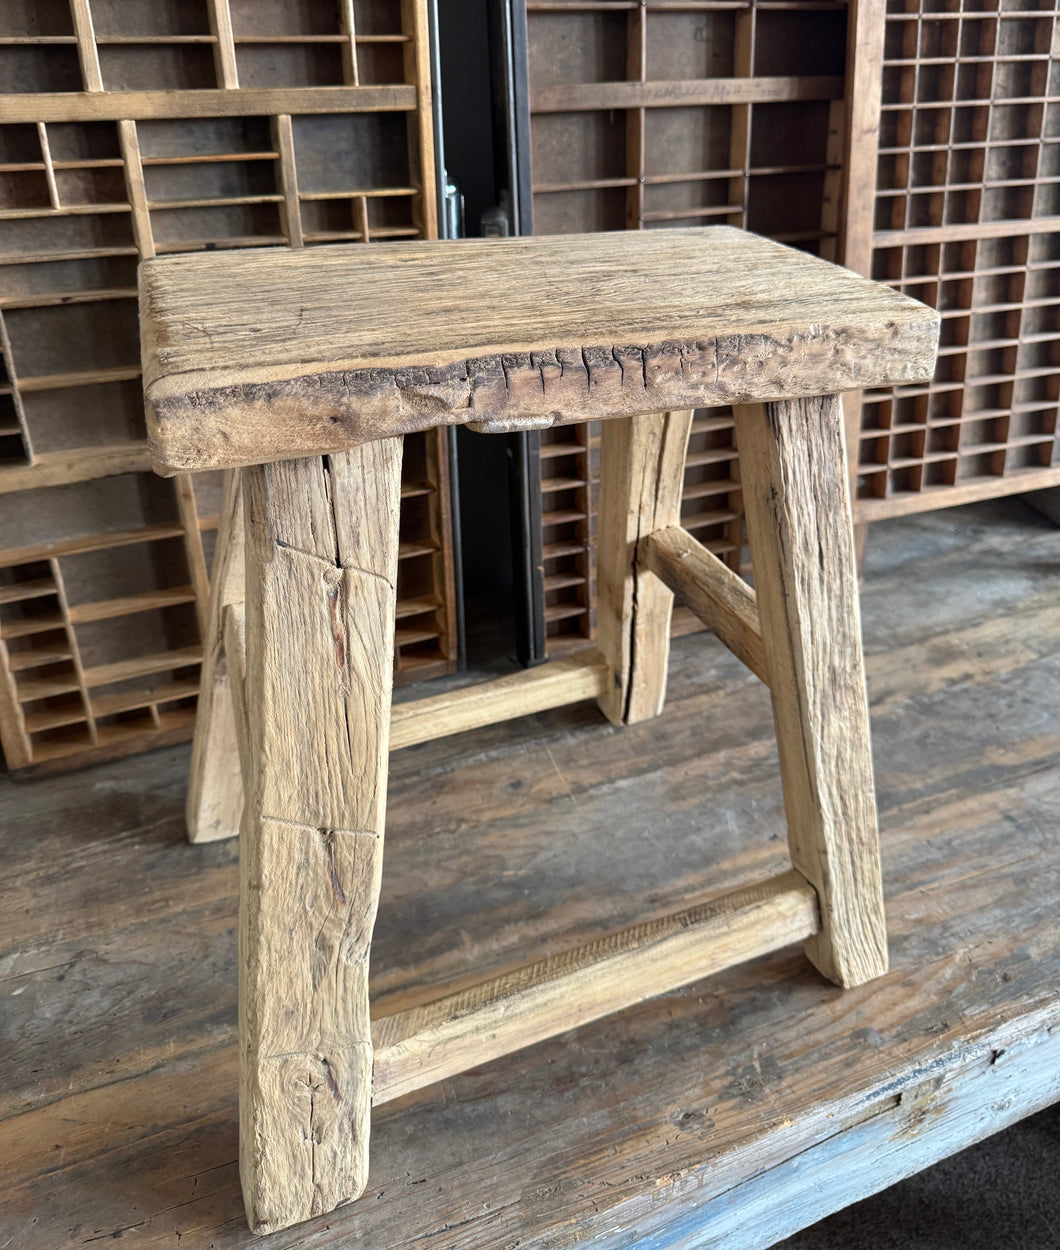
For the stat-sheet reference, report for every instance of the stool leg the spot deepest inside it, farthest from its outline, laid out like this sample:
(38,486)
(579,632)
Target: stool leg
(321,560)
(797,503)
(215,787)
(642,462)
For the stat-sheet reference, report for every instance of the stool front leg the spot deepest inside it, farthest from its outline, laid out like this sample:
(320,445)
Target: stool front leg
(797,504)
(321,563)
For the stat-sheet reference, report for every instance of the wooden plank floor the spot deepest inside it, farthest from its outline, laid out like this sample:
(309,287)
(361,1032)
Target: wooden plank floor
(730,1113)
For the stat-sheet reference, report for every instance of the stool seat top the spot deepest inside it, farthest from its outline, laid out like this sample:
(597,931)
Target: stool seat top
(270,354)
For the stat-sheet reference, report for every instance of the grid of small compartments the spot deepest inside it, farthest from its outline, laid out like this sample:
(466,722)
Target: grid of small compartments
(968,214)
(104,567)
(676,113)
(155,45)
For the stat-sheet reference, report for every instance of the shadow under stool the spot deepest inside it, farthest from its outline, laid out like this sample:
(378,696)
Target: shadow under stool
(299,371)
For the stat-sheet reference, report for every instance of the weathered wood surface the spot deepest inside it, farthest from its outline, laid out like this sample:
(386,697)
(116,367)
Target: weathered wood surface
(321,563)
(1005,1074)
(797,505)
(721,599)
(60,468)
(264,354)
(215,788)
(234,633)
(759,1090)
(89,106)
(535,1001)
(731,90)
(642,463)
(567,680)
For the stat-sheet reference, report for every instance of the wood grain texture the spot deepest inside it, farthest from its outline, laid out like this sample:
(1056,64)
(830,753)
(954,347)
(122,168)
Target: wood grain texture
(256,355)
(726,1113)
(61,468)
(430,1043)
(89,106)
(416,54)
(636,72)
(191,521)
(865,39)
(866,28)
(290,209)
(641,465)
(215,785)
(234,634)
(574,97)
(224,50)
(321,563)
(87,52)
(135,188)
(915,236)
(987,1085)
(721,599)
(568,680)
(927,500)
(797,504)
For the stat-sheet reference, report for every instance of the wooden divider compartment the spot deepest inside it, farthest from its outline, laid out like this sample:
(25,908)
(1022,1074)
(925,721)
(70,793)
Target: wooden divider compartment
(947,186)
(313,125)
(570,462)
(98,625)
(967,219)
(676,114)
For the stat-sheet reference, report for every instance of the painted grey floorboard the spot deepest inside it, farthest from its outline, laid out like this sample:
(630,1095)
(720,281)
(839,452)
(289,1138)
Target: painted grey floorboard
(1000,1194)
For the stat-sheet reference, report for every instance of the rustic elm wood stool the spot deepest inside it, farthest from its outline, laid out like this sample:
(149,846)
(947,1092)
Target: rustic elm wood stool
(303,369)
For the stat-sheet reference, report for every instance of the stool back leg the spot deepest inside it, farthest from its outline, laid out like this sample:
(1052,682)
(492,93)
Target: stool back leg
(321,560)
(215,787)
(797,504)
(235,644)
(642,462)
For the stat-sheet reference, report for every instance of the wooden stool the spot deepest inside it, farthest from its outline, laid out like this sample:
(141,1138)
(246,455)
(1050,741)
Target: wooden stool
(303,369)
